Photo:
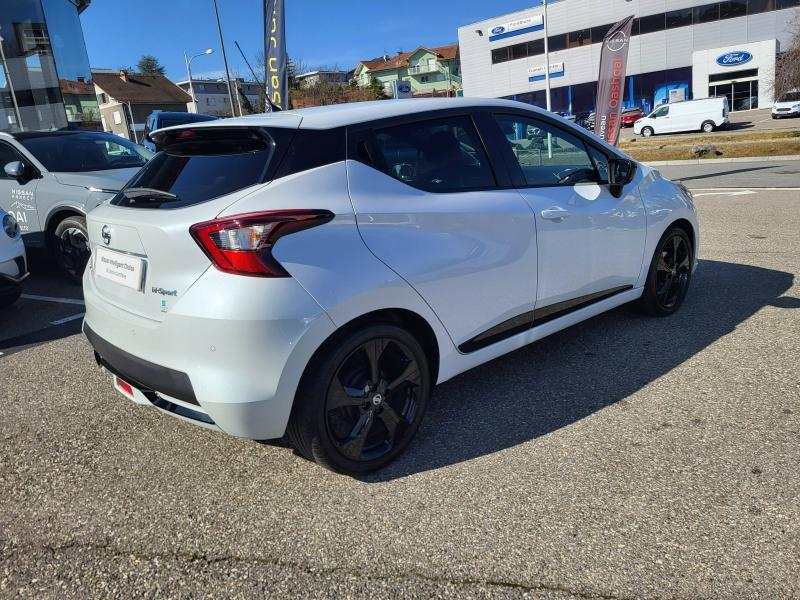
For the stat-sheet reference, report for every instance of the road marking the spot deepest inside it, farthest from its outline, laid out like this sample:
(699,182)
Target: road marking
(67,319)
(52,299)
(725,193)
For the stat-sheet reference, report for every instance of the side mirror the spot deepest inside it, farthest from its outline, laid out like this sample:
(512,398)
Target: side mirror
(620,173)
(15,169)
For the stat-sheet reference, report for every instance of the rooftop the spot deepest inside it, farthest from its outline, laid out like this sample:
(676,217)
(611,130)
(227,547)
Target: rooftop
(142,89)
(400,59)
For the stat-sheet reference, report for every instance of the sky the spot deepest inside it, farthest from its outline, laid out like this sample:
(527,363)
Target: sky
(318,32)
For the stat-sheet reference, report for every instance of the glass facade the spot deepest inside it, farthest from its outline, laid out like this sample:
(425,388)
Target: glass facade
(45,79)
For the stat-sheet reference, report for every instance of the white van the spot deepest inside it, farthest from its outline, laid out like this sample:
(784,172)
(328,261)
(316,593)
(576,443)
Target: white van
(706,114)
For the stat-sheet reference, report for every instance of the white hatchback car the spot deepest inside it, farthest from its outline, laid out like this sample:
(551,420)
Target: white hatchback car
(316,272)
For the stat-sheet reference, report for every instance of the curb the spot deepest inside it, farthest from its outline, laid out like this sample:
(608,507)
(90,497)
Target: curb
(709,161)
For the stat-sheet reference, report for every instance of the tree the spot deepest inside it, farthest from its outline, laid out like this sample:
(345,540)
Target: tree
(787,64)
(377,89)
(149,65)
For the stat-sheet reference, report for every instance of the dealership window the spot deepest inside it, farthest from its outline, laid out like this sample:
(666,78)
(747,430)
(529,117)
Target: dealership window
(679,18)
(732,9)
(519,51)
(500,55)
(581,37)
(547,155)
(652,23)
(760,6)
(536,47)
(557,42)
(706,13)
(438,155)
(787,4)
(598,33)
(728,75)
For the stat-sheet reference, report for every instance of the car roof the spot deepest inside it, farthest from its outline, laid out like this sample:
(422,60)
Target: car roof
(352,113)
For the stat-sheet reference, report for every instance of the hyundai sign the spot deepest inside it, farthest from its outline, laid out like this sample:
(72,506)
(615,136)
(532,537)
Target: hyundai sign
(734,58)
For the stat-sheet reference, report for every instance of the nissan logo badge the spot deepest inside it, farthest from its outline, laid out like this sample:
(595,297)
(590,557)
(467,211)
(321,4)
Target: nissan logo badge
(105,233)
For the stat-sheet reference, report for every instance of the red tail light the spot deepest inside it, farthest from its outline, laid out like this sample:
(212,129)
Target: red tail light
(123,386)
(242,244)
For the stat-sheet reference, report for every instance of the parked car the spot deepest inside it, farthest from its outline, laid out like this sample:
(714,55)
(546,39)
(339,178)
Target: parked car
(161,119)
(787,105)
(631,115)
(706,115)
(316,272)
(13,266)
(50,180)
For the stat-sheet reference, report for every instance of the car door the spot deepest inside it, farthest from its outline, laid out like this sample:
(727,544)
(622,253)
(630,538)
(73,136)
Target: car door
(663,120)
(431,206)
(590,243)
(18,197)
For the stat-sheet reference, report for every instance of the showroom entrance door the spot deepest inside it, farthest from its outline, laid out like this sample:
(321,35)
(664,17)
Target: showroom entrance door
(742,95)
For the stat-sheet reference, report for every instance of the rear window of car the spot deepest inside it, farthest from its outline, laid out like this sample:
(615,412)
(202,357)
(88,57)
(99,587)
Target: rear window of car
(84,151)
(197,165)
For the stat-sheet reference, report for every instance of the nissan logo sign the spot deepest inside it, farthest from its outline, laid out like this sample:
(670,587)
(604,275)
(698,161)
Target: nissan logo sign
(105,233)
(617,41)
(734,59)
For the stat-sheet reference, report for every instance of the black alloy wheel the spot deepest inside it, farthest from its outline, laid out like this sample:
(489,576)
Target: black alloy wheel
(71,247)
(364,401)
(669,275)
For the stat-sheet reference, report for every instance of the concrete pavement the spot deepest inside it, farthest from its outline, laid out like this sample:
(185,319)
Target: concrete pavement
(627,457)
(711,174)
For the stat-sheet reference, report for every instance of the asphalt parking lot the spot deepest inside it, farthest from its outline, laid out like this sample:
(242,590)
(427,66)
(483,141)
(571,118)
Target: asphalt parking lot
(627,457)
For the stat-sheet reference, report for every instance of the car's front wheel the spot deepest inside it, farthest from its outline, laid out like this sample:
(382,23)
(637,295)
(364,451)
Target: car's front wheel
(10,295)
(669,275)
(362,399)
(647,131)
(71,247)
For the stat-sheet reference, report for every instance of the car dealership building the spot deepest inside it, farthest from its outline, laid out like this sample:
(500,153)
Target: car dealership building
(680,49)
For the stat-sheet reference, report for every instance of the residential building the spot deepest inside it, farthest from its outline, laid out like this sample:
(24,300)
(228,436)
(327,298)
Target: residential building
(211,95)
(679,48)
(45,80)
(428,71)
(312,78)
(127,99)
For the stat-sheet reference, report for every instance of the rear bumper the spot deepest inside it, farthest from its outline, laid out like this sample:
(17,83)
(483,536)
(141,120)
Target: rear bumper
(229,354)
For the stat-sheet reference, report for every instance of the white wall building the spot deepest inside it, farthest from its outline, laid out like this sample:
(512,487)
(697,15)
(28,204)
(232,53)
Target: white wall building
(211,95)
(697,48)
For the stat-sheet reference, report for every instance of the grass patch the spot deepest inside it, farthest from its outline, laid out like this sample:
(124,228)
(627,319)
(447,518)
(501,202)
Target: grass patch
(772,146)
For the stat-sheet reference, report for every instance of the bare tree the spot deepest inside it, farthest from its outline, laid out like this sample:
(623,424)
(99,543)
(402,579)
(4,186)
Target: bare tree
(787,64)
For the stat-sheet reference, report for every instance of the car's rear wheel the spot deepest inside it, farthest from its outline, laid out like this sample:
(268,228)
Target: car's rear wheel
(669,275)
(647,131)
(707,127)
(71,247)
(362,399)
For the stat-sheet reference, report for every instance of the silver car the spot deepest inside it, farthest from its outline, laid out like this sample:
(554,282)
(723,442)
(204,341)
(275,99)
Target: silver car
(50,180)
(13,267)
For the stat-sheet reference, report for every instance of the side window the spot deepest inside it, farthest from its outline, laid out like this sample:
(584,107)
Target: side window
(8,154)
(438,155)
(600,162)
(547,155)
(662,112)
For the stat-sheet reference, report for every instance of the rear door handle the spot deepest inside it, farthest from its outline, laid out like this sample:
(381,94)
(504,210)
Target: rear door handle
(555,214)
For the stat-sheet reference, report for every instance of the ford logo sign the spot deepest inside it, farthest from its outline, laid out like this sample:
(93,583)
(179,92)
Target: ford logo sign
(498,30)
(735,58)
(404,87)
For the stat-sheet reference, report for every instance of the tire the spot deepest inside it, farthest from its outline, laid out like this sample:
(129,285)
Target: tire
(10,295)
(669,274)
(343,415)
(70,246)
(647,131)
(707,127)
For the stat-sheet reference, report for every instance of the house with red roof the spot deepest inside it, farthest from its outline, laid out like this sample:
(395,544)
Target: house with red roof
(427,71)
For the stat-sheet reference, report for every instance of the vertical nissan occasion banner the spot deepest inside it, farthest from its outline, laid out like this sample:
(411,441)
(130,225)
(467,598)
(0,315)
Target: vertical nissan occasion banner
(275,59)
(611,81)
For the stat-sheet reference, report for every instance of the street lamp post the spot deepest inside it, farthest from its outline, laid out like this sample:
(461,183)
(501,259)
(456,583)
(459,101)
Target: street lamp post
(546,60)
(224,58)
(189,73)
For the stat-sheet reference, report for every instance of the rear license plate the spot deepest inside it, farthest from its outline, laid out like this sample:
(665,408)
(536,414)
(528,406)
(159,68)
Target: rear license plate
(120,268)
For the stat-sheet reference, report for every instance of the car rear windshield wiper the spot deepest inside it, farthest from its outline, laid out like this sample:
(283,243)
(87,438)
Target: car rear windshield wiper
(142,193)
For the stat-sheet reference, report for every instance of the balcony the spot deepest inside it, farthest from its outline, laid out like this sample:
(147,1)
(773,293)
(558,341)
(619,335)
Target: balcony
(423,68)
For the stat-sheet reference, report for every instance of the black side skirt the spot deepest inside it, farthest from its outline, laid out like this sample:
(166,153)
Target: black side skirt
(531,319)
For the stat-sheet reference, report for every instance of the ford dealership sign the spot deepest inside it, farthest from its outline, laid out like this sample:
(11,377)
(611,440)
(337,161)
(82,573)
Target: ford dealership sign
(734,59)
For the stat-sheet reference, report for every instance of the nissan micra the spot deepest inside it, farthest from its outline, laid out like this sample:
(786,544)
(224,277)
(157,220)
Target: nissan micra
(314,273)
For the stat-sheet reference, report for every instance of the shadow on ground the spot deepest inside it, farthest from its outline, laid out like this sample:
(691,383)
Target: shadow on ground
(570,375)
